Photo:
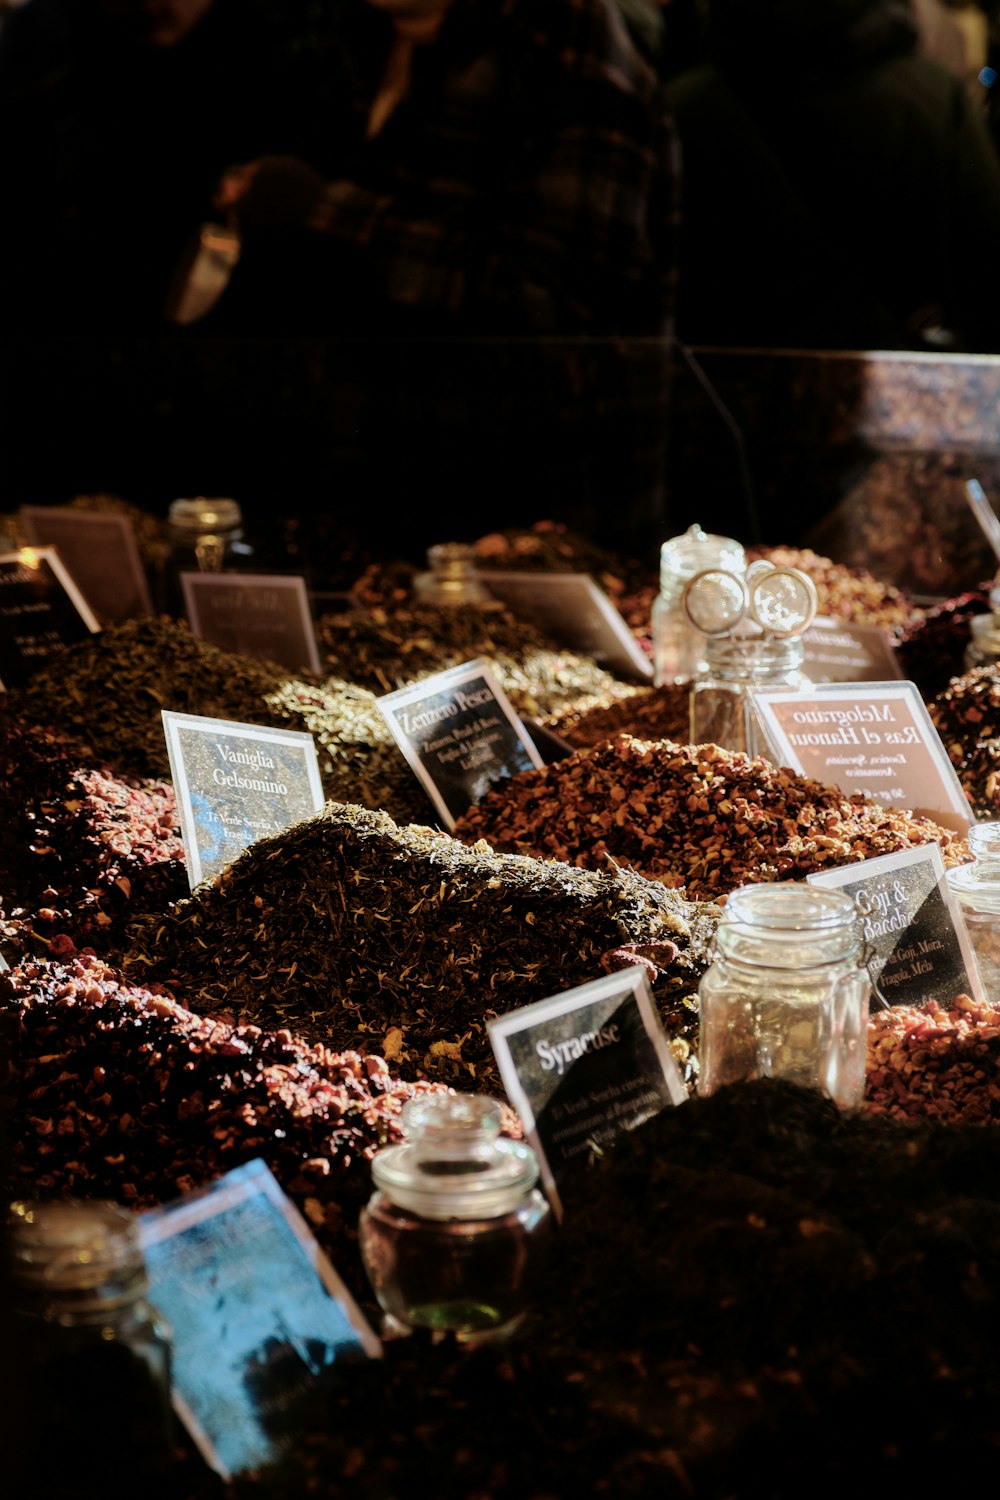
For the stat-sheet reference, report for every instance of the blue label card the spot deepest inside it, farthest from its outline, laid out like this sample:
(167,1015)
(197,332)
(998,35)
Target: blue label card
(264,615)
(576,613)
(235,784)
(41,610)
(917,944)
(584,1066)
(257,1313)
(460,735)
(101,553)
(875,738)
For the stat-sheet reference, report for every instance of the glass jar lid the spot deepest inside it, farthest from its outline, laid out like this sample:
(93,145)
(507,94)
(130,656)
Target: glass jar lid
(197,516)
(87,1252)
(789,926)
(977,885)
(454,1163)
(683,556)
(783,601)
(715,601)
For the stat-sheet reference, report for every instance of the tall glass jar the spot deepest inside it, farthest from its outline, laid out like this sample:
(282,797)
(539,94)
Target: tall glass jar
(451,578)
(722,711)
(678,646)
(96,1355)
(786,995)
(977,889)
(204,535)
(452,1236)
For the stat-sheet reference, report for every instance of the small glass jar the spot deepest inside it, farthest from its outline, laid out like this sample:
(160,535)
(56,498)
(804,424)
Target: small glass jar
(96,1355)
(786,995)
(452,579)
(678,647)
(976,887)
(722,712)
(452,1236)
(984,641)
(203,536)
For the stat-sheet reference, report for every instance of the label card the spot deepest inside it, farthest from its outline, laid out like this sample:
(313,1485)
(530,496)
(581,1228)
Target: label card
(41,609)
(236,783)
(256,1310)
(262,615)
(571,609)
(917,941)
(840,651)
(877,740)
(584,1066)
(460,735)
(101,553)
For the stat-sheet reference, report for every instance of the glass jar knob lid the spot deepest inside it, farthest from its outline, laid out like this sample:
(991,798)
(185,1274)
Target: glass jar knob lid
(715,601)
(782,601)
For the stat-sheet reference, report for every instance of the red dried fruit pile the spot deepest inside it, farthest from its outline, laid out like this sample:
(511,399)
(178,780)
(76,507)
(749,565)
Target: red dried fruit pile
(82,850)
(121,1093)
(690,815)
(844,592)
(936,1062)
(967,717)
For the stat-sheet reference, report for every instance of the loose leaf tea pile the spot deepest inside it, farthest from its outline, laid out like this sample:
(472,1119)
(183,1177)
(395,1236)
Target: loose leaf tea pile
(384,651)
(967,717)
(661,713)
(845,593)
(936,1061)
(690,815)
(81,850)
(353,931)
(751,1295)
(124,1094)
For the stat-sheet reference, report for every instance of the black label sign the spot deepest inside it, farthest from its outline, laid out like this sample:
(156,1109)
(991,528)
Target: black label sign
(577,614)
(582,1067)
(460,735)
(916,942)
(40,611)
(840,651)
(266,616)
(101,553)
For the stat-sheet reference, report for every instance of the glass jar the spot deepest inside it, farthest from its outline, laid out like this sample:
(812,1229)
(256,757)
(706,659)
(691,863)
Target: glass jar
(786,995)
(452,579)
(96,1355)
(722,712)
(976,887)
(203,536)
(452,1235)
(984,641)
(678,647)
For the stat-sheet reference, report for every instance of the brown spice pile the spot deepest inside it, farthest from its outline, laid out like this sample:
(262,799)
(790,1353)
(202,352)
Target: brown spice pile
(967,717)
(121,1093)
(550,547)
(81,850)
(661,713)
(691,815)
(351,930)
(845,593)
(935,1061)
(932,651)
(382,652)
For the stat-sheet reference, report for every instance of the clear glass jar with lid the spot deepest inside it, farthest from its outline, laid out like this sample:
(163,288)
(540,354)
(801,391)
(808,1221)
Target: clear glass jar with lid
(678,646)
(984,633)
(451,578)
(452,1235)
(752,628)
(976,887)
(786,995)
(96,1354)
(204,535)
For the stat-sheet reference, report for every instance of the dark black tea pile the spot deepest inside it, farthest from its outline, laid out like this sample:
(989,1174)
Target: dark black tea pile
(353,931)
(81,849)
(124,1094)
(751,1295)
(383,651)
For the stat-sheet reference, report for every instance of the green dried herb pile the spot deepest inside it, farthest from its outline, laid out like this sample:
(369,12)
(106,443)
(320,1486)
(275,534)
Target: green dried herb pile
(751,1295)
(383,651)
(121,1093)
(355,932)
(694,816)
(81,850)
